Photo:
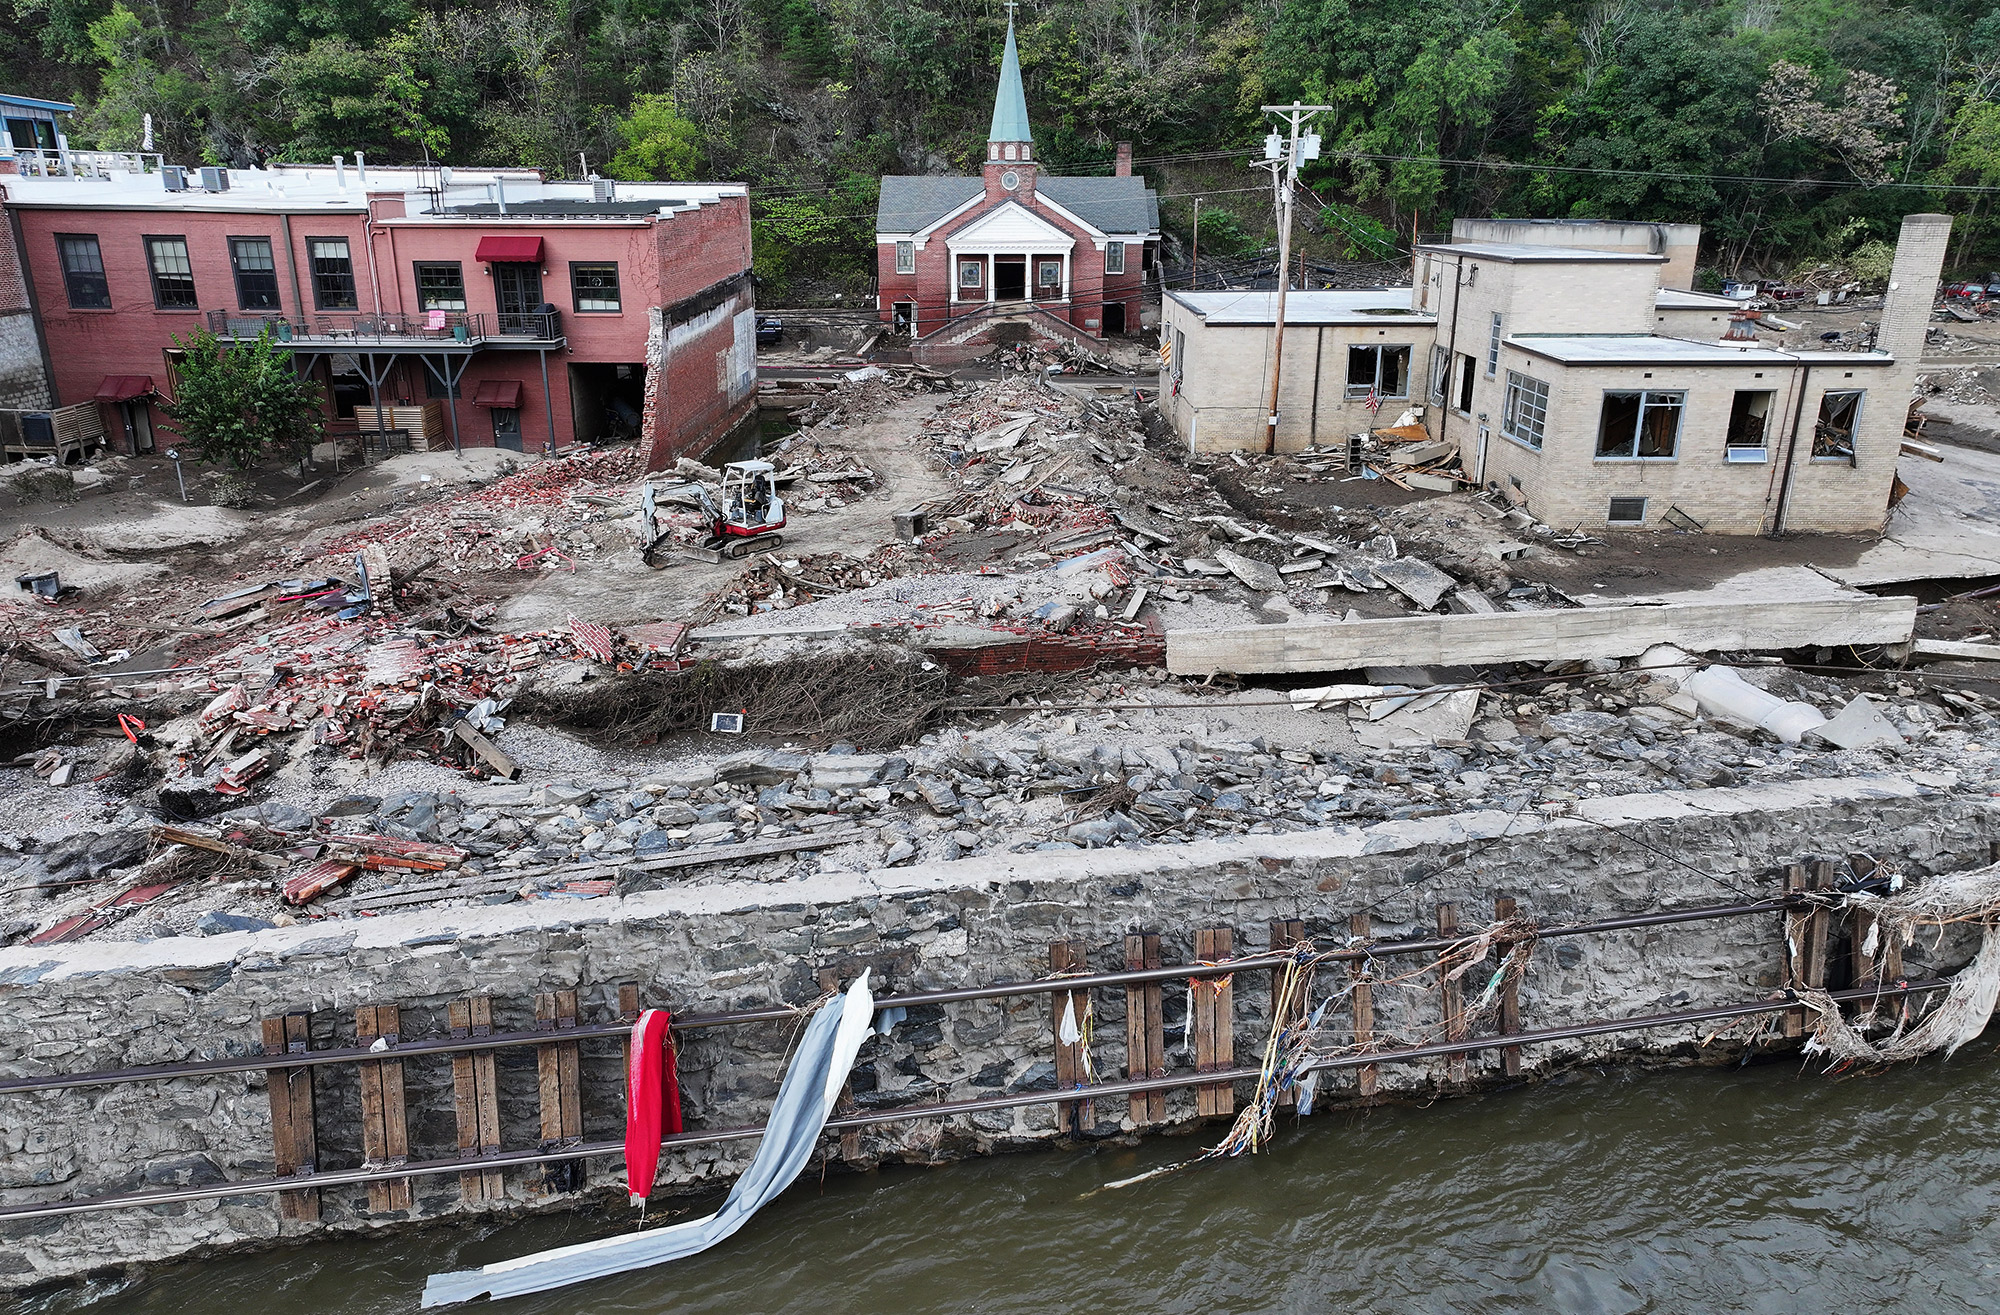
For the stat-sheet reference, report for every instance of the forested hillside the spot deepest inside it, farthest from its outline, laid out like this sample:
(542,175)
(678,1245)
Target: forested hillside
(1783,125)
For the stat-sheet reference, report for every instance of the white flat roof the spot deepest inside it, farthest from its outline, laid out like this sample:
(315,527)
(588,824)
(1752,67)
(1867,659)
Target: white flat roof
(1681,299)
(295,188)
(1523,252)
(1345,306)
(1648,349)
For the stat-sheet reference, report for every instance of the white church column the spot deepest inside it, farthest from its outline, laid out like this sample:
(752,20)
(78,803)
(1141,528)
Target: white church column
(991,265)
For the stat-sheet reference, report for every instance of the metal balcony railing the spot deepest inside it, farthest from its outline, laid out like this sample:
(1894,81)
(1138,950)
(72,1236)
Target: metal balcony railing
(36,163)
(425,326)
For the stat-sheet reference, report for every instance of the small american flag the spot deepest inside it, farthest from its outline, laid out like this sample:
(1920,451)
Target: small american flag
(1374,402)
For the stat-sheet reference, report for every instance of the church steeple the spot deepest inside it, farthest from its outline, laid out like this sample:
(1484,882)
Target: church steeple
(1010,147)
(1010,104)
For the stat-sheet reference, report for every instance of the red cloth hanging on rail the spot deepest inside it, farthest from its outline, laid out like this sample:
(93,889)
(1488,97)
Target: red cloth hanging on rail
(652,1100)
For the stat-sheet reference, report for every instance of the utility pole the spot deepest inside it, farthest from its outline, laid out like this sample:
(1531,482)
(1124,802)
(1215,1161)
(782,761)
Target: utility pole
(1194,275)
(1282,156)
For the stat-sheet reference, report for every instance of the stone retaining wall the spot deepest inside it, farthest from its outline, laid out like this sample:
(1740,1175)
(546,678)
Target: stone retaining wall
(744,944)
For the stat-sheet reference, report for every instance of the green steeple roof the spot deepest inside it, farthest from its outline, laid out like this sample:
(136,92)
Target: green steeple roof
(1010,104)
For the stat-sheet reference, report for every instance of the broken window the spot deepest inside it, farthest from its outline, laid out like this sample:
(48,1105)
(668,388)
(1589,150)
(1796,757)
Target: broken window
(1493,348)
(1378,371)
(332,273)
(1467,371)
(1748,416)
(440,285)
(1526,413)
(173,274)
(1440,374)
(906,257)
(1114,257)
(1180,356)
(256,273)
(1833,434)
(83,271)
(1626,511)
(1645,425)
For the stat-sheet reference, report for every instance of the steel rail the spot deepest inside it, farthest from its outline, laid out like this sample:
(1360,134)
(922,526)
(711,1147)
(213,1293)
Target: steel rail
(785,1013)
(947,1109)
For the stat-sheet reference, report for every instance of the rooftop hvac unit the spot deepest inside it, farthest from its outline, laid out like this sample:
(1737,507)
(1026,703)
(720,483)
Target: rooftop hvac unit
(215,180)
(603,189)
(173,178)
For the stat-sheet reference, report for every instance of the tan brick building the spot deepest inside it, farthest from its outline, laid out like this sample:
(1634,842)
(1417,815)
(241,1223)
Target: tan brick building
(1576,375)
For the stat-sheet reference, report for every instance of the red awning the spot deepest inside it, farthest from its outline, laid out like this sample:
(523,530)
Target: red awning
(124,387)
(509,250)
(502,393)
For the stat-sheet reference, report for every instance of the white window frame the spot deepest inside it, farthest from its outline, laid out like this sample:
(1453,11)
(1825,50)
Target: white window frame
(906,257)
(1493,349)
(1647,403)
(1440,373)
(1114,257)
(1525,387)
(1644,508)
(971,272)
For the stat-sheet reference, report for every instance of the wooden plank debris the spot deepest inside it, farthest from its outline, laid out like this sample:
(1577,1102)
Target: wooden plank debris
(1145,1030)
(488,752)
(1796,920)
(1542,636)
(1214,1004)
(1070,1012)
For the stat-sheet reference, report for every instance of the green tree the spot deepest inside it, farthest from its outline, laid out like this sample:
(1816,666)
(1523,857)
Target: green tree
(237,403)
(660,143)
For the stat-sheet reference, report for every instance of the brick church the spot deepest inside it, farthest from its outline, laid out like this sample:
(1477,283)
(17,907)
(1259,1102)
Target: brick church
(958,254)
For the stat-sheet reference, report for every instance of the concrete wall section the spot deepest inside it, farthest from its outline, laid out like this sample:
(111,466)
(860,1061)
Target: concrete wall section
(738,945)
(1450,639)
(1679,243)
(1567,483)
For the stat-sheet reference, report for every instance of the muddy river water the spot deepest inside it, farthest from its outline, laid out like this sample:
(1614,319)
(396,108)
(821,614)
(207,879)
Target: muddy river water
(1768,1188)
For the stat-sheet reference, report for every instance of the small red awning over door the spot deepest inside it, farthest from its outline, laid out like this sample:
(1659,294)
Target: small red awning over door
(502,393)
(510,249)
(124,387)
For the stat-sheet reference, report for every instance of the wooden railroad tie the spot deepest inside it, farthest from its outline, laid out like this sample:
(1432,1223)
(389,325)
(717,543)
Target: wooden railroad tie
(476,1098)
(1452,993)
(1286,1006)
(291,1092)
(385,1125)
(1213,1006)
(1504,909)
(1145,1030)
(558,1068)
(1368,1077)
(1072,1057)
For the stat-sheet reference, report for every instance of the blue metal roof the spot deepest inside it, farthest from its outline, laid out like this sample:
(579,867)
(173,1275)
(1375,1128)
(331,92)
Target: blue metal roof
(1010,105)
(29,102)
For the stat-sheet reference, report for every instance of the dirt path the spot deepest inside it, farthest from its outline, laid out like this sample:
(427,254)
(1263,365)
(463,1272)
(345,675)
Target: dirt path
(620,589)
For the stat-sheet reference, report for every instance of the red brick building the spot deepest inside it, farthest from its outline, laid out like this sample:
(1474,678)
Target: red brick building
(958,255)
(536,314)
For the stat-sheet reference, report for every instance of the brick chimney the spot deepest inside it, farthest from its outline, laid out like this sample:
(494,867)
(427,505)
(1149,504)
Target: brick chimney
(1123,168)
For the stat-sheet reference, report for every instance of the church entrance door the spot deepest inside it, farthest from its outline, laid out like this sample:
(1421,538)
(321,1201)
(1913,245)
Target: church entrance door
(1010,278)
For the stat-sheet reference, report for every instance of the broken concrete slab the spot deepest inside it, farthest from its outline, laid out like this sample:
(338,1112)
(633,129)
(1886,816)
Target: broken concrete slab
(764,767)
(1859,725)
(1418,581)
(1261,576)
(1954,650)
(1542,636)
(1427,720)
